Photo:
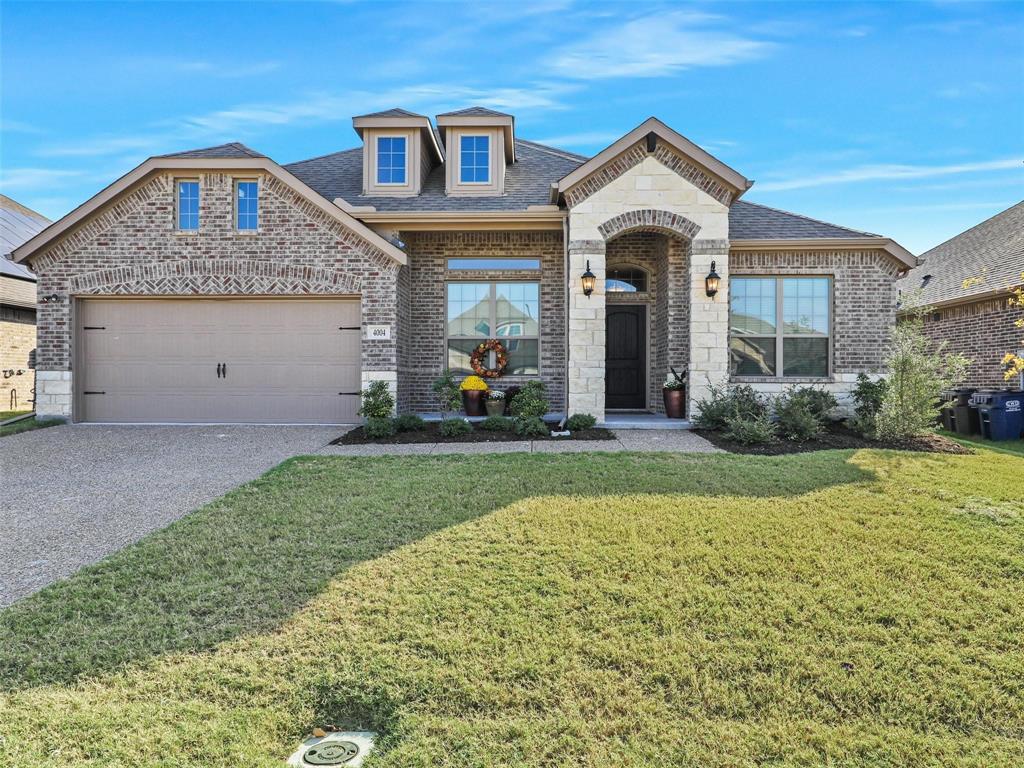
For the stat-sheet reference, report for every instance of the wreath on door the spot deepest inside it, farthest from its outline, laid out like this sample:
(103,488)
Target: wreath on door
(483,350)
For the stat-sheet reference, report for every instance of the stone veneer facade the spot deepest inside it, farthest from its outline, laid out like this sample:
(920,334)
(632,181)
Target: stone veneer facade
(17,345)
(133,249)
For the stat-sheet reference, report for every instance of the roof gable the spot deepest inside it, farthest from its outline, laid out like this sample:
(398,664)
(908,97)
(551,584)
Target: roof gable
(235,149)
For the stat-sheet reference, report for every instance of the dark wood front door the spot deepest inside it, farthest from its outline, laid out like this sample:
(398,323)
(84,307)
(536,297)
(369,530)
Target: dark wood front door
(626,357)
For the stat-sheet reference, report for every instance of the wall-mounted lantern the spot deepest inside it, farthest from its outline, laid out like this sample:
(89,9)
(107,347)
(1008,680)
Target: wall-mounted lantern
(711,282)
(589,280)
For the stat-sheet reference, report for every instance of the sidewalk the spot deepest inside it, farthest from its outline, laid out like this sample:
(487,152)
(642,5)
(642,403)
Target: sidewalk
(675,440)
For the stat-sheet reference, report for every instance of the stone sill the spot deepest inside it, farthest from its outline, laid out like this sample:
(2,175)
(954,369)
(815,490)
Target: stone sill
(782,379)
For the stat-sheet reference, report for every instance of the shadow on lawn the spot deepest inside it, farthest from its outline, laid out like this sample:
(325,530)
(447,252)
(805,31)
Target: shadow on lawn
(248,561)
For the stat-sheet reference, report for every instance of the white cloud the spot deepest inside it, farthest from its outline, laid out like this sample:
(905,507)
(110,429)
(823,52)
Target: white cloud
(19,179)
(887,172)
(156,65)
(17,126)
(965,90)
(657,45)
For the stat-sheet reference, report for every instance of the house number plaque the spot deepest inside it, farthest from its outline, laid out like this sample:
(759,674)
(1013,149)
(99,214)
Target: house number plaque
(378,332)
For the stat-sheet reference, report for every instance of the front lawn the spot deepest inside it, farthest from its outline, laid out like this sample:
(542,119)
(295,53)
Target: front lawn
(835,608)
(977,441)
(27,425)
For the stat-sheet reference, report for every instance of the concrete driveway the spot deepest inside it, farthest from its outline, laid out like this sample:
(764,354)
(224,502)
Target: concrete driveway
(71,495)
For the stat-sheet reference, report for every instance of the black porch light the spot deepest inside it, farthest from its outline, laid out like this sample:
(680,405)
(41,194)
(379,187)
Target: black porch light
(589,279)
(711,282)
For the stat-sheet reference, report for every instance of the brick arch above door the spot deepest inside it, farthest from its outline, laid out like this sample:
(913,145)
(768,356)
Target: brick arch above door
(649,220)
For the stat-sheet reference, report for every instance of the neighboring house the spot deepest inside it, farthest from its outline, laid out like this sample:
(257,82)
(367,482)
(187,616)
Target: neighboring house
(968,280)
(217,285)
(17,307)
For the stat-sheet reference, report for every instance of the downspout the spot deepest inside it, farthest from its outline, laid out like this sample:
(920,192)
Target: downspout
(568,299)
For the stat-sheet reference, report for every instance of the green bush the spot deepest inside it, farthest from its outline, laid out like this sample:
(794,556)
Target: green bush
(750,430)
(529,401)
(454,427)
(446,389)
(867,400)
(377,428)
(531,426)
(820,402)
(580,421)
(725,403)
(796,420)
(496,424)
(410,422)
(378,402)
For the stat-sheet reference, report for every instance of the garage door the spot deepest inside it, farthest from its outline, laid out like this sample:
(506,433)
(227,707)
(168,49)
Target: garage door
(291,361)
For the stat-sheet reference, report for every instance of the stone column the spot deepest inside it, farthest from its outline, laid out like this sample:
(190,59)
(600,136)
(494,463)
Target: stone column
(586,330)
(709,320)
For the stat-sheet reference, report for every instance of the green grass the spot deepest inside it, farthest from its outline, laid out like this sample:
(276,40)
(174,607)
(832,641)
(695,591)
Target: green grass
(1015,447)
(835,608)
(27,425)
(5,415)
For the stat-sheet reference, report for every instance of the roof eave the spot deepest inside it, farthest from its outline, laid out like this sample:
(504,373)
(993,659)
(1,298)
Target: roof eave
(886,244)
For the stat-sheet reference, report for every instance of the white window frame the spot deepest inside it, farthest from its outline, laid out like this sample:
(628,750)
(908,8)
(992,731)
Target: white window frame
(492,321)
(259,195)
(780,335)
(490,150)
(177,204)
(376,160)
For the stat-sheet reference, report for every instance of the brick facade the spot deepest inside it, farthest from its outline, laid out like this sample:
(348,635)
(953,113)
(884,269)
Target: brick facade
(133,248)
(984,331)
(428,253)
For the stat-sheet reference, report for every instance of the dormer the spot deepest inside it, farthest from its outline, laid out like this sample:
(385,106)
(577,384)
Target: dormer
(479,144)
(399,150)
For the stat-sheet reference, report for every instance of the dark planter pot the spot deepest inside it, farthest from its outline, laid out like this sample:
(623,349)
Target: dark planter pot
(675,402)
(473,401)
(495,407)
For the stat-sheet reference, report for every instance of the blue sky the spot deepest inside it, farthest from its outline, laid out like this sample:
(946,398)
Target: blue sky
(905,119)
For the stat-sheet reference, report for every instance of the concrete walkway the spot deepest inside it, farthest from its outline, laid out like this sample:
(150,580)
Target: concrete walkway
(677,440)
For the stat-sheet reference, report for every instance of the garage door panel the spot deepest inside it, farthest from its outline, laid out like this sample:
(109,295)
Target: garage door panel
(156,360)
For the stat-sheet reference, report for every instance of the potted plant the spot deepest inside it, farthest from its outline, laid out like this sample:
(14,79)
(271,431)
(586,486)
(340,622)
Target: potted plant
(474,394)
(673,392)
(495,403)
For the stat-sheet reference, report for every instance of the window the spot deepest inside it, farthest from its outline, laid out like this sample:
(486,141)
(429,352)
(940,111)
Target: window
(506,311)
(391,160)
(780,326)
(493,263)
(247,205)
(474,159)
(188,205)
(625,280)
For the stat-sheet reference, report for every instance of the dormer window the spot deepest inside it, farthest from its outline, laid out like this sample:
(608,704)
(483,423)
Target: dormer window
(391,157)
(474,159)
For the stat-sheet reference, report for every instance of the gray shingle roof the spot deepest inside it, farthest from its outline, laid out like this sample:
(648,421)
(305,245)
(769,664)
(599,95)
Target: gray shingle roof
(233,150)
(17,225)
(474,112)
(395,112)
(751,221)
(990,254)
(527,181)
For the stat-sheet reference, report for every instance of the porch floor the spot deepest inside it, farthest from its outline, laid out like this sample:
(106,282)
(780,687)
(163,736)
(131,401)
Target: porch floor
(642,420)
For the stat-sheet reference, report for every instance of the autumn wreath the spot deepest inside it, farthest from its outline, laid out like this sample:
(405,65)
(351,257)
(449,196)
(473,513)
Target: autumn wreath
(476,360)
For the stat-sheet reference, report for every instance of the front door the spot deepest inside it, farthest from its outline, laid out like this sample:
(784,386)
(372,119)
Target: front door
(626,357)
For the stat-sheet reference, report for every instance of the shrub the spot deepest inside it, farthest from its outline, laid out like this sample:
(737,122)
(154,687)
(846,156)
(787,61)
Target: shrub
(473,384)
(447,392)
(377,428)
(727,402)
(749,430)
(580,421)
(530,426)
(378,402)
(796,419)
(820,402)
(454,427)
(918,372)
(410,422)
(867,400)
(496,424)
(529,401)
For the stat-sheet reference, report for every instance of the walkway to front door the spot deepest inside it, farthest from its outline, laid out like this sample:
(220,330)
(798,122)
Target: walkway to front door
(626,357)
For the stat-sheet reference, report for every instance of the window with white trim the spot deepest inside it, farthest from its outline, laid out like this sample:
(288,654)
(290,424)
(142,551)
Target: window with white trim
(780,326)
(247,200)
(507,311)
(188,205)
(391,155)
(474,159)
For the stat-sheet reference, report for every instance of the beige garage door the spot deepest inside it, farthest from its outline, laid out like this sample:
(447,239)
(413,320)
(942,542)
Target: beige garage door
(285,361)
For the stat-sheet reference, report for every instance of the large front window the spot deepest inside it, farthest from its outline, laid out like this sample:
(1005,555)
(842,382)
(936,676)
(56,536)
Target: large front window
(780,326)
(474,160)
(509,312)
(391,160)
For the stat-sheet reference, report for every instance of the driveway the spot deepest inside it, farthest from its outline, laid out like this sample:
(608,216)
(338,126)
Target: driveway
(71,495)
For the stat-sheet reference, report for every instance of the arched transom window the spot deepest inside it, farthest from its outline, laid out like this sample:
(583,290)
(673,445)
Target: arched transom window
(625,279)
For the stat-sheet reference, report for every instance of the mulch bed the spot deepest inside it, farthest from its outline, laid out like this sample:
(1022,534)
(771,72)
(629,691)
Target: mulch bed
(432,435)
(838,436)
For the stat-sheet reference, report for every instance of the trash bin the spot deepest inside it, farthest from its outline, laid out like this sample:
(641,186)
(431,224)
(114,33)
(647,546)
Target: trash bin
(1001,414)
(964,418)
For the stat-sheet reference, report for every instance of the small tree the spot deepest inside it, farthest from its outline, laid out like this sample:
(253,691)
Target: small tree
(378,402)
(918,372)
(1013,363)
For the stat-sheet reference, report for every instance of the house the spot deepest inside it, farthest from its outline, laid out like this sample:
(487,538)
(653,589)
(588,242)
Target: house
(216,285)
(17,307)
(967,282)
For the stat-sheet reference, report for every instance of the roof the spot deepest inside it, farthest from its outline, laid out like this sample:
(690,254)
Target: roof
(751,221)
(233,150)
(395,112)
(527,181)
(17,224)
(475,112)
(990,256)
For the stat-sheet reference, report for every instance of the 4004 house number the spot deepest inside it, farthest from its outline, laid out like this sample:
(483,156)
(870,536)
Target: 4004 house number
(378,332)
